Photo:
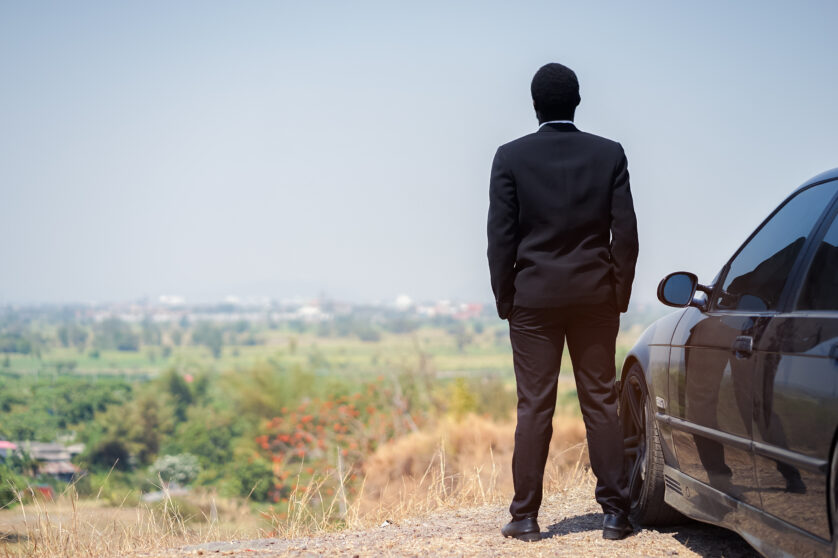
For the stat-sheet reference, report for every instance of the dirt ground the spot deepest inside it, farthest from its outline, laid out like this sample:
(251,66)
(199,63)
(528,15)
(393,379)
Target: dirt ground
(570,524)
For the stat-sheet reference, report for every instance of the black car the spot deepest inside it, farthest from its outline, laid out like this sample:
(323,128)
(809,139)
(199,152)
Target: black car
(730,406)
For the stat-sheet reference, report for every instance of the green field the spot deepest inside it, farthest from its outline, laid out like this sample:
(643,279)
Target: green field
(486,352)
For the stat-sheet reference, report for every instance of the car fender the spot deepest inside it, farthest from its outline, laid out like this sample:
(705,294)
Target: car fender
(651,352)
(652,349)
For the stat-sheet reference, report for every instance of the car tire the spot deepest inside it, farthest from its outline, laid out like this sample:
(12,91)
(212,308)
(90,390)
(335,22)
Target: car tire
(644,456)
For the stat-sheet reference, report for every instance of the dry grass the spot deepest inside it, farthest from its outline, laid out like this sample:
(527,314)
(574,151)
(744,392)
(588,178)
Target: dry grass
(457,464)
(69,526)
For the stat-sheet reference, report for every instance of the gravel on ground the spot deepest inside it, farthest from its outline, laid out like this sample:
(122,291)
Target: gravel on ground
(571,525)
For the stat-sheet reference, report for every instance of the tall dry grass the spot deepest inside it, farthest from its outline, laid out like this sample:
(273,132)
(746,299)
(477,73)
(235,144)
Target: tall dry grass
(70,526)
(456,464)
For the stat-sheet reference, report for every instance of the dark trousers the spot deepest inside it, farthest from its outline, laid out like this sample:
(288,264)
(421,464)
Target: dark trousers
(538,336)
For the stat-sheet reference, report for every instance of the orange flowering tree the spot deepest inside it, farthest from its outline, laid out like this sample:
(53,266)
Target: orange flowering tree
(322,440)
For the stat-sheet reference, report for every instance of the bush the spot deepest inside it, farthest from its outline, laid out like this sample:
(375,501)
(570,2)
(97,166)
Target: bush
(252,479)
(10,484)
(178,469)
(461,399)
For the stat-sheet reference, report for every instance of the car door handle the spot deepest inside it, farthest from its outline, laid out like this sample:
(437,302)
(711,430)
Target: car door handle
(743,347)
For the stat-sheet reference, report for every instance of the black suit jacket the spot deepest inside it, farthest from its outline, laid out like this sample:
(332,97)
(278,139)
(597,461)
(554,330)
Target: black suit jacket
(562,229)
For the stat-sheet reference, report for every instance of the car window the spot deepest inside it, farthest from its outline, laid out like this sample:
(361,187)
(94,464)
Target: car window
(758,273)
(820,289)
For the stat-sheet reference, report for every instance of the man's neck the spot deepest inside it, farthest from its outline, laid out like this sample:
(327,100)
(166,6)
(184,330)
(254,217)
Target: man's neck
(555,122)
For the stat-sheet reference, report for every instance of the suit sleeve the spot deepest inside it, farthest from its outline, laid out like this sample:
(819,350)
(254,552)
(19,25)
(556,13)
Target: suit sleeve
(503,234)
(624,244)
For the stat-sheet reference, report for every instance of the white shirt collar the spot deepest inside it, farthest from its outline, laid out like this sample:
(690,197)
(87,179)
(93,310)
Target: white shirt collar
(555,122)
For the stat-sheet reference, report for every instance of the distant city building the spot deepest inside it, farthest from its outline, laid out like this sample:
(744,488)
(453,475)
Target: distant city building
(403,302)
(468,311)
(311,313)
(167,309)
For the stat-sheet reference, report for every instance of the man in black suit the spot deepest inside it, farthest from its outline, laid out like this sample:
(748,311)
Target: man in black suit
(562,251)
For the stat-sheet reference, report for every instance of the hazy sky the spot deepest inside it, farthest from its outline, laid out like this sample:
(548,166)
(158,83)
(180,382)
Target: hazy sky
(288,148)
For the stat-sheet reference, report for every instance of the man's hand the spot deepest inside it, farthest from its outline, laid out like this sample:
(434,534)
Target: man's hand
(504,309)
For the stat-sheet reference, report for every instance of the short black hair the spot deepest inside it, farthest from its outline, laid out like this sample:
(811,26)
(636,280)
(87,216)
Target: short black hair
(555,92)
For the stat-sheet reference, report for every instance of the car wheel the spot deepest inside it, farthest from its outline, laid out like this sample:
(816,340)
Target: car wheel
(644,457)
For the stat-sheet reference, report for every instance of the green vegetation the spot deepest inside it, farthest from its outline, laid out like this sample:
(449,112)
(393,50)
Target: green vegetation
(357,343)
(249,433)
(43,407)
(11,481)
(248,410)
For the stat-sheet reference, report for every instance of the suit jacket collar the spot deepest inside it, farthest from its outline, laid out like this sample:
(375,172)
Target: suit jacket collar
(558,127)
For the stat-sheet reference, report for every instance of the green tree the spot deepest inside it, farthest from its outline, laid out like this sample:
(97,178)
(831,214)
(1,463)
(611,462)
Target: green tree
(64,335)
(139,427)
(262,391)
(210,336)
(16,342)
(209,434)
(151,332)
(181,396)
(462,399)
(177,336)
(41,408)
(113,333)
(461,335)
(368,334)
(402,324)
(11,483)
(152,418)
(252,478)
(109,454)
(72,334)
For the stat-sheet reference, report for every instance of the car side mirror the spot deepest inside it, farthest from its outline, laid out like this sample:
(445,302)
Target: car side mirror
(678,289)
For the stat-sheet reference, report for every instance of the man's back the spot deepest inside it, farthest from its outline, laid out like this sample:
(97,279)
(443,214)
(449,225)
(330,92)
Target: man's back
(568,193)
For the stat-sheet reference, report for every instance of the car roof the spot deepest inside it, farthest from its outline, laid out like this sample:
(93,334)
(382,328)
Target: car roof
(822,177)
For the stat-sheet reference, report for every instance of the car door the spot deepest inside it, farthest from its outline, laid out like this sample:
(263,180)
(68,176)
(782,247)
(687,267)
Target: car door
(796,415)
(714,354)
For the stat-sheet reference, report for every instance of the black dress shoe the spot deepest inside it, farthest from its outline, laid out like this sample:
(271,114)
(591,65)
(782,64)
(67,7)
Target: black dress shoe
(615,526)
(524,530)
